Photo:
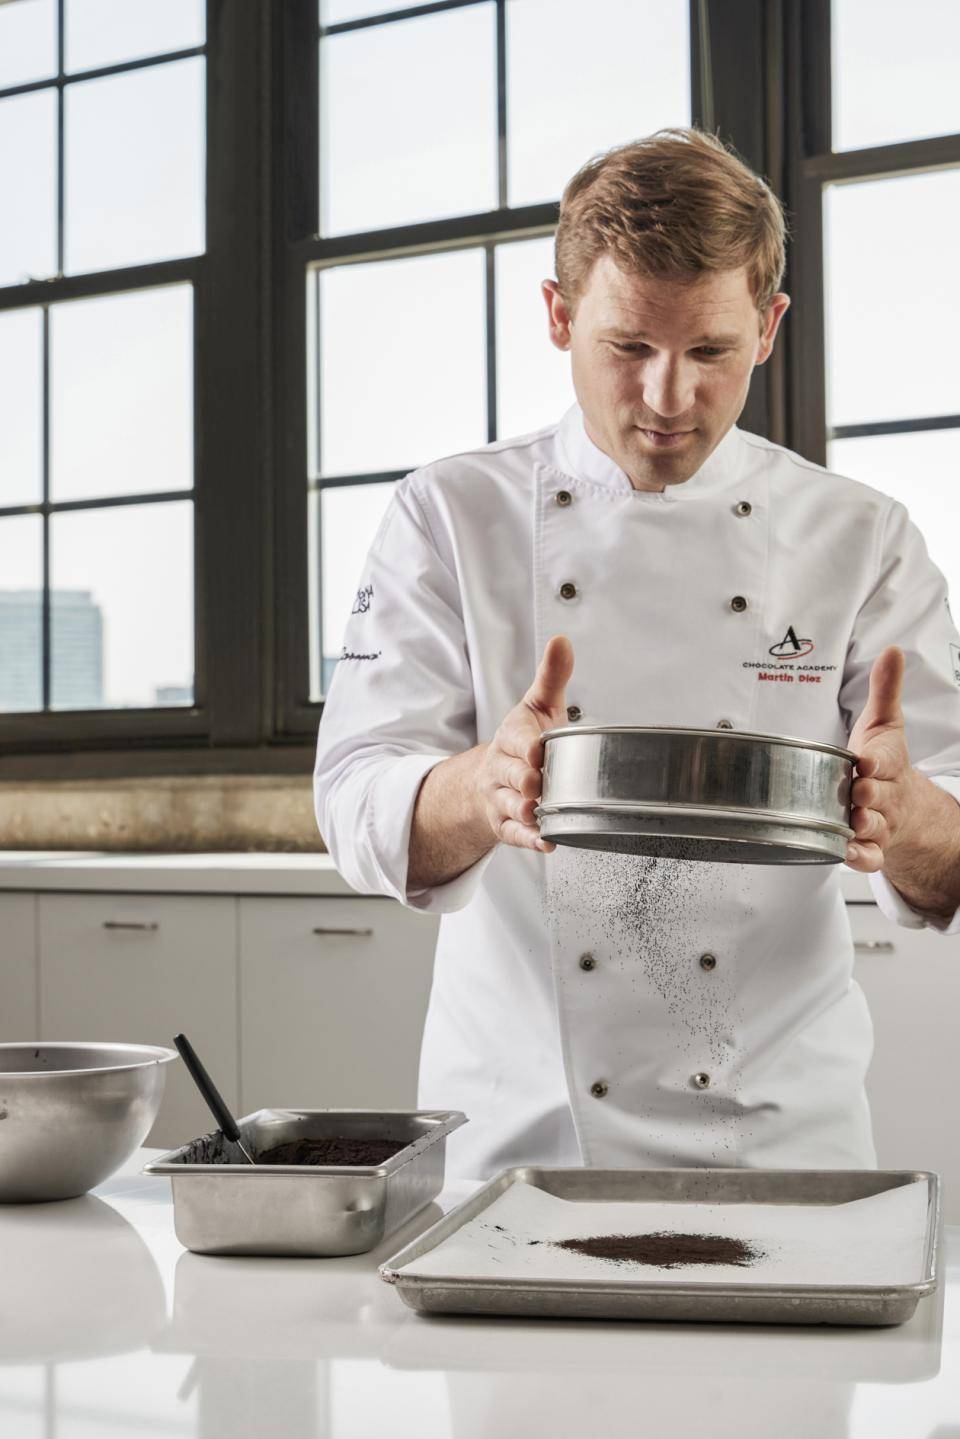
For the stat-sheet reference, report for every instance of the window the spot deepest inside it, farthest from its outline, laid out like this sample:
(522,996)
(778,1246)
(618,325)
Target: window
(880,202)
(102,134)
(135,363)
(223,342)
(452,131)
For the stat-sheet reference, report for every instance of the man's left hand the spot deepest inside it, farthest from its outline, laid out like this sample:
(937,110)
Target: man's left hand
(903,823)
(885,790)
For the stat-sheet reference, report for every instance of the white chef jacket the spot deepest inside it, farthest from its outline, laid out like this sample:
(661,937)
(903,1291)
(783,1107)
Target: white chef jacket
(646,1057)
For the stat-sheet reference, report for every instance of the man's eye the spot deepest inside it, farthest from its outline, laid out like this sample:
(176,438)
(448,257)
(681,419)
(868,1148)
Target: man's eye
(709,352)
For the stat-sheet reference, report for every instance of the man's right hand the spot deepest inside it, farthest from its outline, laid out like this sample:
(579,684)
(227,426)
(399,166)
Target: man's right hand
(510,777)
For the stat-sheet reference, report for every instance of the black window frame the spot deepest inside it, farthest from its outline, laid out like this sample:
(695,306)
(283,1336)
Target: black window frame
(760,78)
(812,165)
(229,723)
(730,71)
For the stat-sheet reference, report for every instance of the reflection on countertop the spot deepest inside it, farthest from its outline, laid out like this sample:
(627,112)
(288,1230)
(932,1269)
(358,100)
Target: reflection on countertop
(78,1282)
(108,1327)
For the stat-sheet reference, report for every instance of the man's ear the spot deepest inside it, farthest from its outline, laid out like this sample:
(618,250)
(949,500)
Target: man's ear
(559,318)
(776,310)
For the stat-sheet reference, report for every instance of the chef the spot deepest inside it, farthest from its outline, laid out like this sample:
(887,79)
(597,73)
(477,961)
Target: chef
(644,561)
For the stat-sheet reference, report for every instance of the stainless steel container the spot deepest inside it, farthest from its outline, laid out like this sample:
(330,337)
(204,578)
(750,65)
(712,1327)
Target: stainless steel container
(748,1301)
(72,1113)
(221,1206)
(721,795)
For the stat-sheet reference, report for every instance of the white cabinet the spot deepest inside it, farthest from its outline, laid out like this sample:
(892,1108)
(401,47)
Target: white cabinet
(911,979)
(137,969)
(305,999)
(333,994)
(18,968)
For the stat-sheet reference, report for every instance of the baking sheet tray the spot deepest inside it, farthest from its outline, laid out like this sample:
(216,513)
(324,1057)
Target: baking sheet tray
(836,1246)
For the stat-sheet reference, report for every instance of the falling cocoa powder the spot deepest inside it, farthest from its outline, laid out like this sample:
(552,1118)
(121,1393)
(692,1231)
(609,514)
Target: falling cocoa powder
(645,922)
(663,1250)
(332,1151)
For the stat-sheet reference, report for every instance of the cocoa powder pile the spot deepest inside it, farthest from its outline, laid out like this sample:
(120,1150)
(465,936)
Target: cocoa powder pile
(663,1250)
(335,1150)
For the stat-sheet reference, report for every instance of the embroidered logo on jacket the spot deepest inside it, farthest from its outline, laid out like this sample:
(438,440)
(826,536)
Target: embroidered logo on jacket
(790,647)
(786,652)
(363,600)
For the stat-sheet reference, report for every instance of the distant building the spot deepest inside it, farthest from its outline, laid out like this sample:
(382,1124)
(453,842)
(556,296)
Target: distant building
(173,695)
(76,642)
(21,650)
(328,664)
(76,639)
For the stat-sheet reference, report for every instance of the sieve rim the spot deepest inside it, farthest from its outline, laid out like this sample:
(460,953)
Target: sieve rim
(723,735)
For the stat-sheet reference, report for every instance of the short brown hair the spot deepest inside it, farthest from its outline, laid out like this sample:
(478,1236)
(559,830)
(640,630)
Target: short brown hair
(671,206)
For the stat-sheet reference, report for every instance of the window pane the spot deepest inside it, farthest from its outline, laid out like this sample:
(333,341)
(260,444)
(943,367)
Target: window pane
(533,378)
(347,518)
(408,126)
(134,148)
(21,408)
(402,362)
(892,304)
(576,85)
(122,394)
(107,32)
(334,12)
(895,71)
(122,606)
(28,184)
(28,42)
(21,589)
(922,470)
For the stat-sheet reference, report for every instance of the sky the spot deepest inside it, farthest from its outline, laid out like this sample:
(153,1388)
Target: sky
(401,343)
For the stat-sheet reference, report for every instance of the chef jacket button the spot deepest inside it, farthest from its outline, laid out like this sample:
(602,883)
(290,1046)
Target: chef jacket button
(724,724)
(599,1088)
(574,713)
(708,961)
(587,961)
(568,590)
(743,508)
(738,604)
(700,1080)
(564,497)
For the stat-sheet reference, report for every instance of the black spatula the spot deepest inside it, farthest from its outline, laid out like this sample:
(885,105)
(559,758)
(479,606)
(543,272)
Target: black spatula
(211,1093)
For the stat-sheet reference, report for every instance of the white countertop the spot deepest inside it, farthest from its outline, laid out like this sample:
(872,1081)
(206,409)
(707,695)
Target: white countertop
(108,1327)
(258,873)
(298,874)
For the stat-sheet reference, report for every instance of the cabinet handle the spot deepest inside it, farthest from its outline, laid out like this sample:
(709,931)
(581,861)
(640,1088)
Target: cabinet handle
(874,946)
(324,929)
(147,924)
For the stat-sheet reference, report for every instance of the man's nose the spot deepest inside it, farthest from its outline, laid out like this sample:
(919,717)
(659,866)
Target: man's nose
(668,388)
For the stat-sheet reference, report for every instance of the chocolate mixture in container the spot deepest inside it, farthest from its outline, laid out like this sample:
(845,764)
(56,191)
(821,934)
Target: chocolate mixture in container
(333,1150)
(664,1250)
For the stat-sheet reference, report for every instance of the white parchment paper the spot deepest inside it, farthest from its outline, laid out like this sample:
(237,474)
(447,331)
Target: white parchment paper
(879,1240)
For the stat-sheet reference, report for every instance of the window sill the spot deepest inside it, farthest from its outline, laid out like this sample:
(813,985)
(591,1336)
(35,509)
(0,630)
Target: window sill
(182,814)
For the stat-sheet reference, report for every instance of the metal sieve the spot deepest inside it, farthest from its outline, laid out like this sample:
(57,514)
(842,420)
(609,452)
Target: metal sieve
(721,795)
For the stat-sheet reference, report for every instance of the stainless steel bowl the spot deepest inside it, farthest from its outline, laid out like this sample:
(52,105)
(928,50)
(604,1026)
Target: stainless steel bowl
(720,795)
(70,1114)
